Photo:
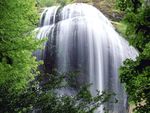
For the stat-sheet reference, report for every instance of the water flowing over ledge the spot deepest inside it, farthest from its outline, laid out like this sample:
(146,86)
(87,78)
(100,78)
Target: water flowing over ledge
(81,38)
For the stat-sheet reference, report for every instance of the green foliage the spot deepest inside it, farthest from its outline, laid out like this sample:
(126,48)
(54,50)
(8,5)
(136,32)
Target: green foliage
(46,99)
(121,4)
(128,5)
(17,65)
(136,74)
(138,28)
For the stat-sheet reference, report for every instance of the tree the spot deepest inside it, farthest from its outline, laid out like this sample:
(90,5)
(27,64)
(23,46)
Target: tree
(17,65)
(45,97)
(135,74)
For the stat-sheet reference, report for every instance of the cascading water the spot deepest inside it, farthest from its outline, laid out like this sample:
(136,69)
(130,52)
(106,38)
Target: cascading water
(81,38)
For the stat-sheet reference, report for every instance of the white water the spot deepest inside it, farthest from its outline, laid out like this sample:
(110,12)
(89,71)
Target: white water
(81,38)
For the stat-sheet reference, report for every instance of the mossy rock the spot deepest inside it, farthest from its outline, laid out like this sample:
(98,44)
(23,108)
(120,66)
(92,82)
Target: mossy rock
(83,1)
(107,7)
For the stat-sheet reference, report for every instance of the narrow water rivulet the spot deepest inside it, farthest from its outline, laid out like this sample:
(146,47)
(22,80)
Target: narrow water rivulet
(81,38)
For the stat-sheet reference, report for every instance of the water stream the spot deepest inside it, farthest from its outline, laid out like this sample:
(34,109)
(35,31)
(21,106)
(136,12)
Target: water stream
(81,38)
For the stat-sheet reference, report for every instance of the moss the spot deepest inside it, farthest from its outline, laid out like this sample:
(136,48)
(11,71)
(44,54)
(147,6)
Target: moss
(120,27)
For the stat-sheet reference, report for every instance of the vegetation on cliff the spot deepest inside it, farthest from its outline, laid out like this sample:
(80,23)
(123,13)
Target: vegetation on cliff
(136,74)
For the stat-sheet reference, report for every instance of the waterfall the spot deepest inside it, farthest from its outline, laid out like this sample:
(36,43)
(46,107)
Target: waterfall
(81,38)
